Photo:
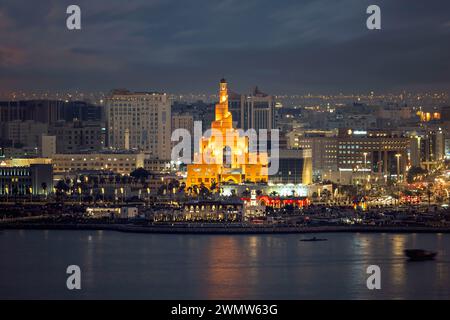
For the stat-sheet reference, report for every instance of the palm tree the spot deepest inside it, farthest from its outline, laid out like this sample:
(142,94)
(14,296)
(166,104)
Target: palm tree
(44,188)
(15,192)
(204,192)
(274,194)
(213,186)
(195,189)
(140,174)
(182,187)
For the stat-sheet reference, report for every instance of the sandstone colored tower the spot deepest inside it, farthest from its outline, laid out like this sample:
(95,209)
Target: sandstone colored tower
(224,155)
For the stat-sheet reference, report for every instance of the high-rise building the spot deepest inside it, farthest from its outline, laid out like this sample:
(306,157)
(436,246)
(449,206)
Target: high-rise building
(427,148)
(49,111)
(45,111)
(255,111)
(183,121)
(259,111)
(145,116)
(82,111)
(236,103)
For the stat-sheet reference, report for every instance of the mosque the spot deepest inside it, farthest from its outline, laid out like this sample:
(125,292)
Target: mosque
(224,157)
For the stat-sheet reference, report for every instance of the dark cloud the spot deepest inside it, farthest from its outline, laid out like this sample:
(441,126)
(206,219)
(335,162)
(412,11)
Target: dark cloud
(179,46)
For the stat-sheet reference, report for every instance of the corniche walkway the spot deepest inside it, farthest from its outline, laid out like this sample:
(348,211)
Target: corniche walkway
(210,228)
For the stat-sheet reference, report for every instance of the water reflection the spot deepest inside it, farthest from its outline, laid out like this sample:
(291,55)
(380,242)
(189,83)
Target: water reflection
(397,269)
(146,266)
(228,265)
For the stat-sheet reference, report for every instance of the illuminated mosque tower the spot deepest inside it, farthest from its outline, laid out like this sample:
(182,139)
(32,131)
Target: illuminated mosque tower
(224,156)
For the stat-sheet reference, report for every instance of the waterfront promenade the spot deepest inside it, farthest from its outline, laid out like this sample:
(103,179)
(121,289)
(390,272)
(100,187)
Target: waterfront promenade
(219,228)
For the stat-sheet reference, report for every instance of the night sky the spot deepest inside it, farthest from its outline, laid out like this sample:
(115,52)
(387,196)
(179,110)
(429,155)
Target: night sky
(284,46)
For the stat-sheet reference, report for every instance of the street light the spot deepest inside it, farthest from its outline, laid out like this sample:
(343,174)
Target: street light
(365,165)
(365,159)
(79,193)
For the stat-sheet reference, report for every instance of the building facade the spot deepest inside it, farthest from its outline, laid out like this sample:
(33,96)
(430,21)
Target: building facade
(259,111)
(381,152)
(295,167)
(25,134)
(139,121)
(78,136)
(324,152)
(122,163)
(35,179)
(49,111)
(44,111)
(252,111)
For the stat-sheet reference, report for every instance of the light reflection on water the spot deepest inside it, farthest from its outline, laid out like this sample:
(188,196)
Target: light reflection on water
(150,266)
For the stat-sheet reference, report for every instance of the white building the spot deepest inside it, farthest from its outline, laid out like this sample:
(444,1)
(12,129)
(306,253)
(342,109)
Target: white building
(140,121)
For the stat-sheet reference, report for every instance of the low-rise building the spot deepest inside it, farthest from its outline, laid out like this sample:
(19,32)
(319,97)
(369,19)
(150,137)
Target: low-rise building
(213,210)
(35,179)
(123,162)
(157,165)
(77,136)
(294,166)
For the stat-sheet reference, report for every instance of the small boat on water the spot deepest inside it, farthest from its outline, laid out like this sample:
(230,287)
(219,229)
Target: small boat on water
(420,255)
(313,239)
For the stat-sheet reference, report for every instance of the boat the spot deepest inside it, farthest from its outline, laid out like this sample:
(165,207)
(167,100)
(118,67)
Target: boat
(419,254)
(313,239)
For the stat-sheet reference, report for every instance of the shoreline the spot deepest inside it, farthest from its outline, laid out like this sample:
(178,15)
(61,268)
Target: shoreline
(221,229)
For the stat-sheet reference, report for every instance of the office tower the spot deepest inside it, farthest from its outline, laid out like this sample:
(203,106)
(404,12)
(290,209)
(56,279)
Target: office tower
(44,111)
(82,111)
(183,120)
(258,111)
(145,116)
(236,104)
(255,110)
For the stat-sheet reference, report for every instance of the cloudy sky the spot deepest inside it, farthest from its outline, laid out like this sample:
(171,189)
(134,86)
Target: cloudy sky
(284,46)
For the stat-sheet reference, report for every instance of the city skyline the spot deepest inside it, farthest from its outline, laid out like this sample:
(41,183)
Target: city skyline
(167,149)
(290,48)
